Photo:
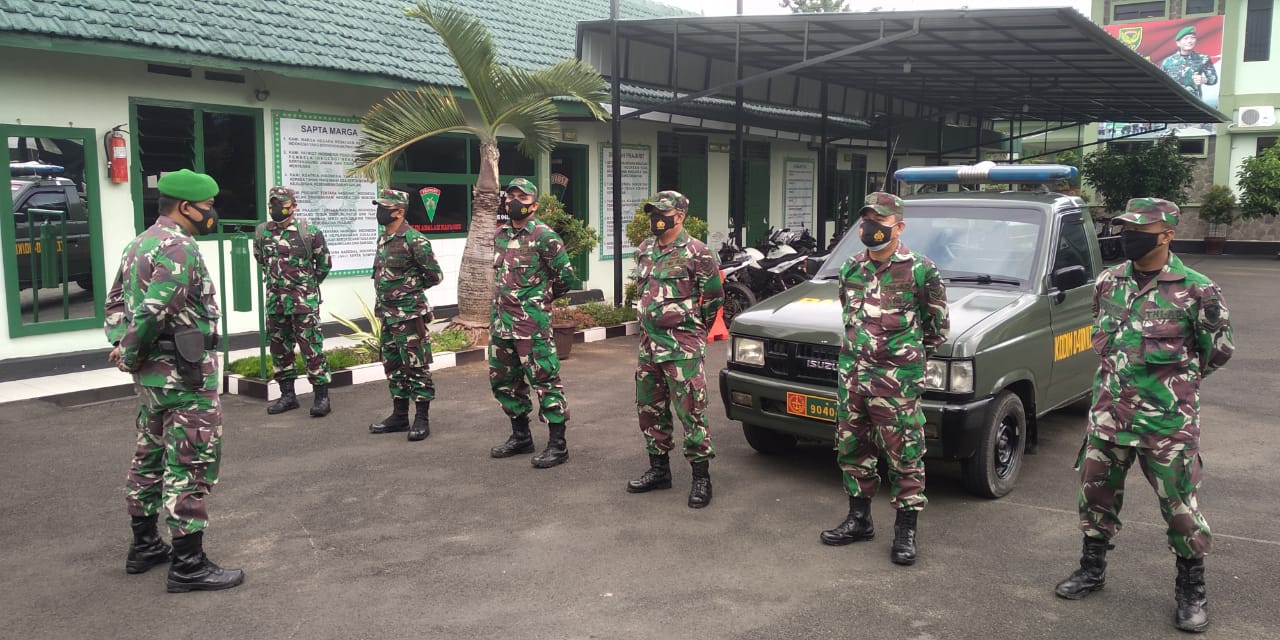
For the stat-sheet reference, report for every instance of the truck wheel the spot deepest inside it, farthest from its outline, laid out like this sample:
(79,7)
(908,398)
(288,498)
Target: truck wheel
(85,283)
(767,441)
(737,298)
(992,472)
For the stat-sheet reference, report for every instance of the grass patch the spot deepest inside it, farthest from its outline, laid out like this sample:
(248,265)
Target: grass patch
(342,358)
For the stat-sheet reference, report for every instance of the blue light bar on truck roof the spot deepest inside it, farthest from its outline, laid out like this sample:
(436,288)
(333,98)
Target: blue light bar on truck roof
(34,168)
(988,173)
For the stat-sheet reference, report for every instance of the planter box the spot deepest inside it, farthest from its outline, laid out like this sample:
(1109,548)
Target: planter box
(269,390)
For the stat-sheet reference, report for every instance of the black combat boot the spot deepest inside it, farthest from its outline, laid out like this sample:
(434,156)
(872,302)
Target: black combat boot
(148,549)
(657,476)
(1092,574)
(521,441)
(1192,613)
(904,538)
(287,400)
(700,493)
(421,421)
(320,406)
(856,527)
(397,421)
(193,571)
(557,450)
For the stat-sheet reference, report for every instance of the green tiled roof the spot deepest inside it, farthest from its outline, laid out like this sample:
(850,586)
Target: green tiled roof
(357,36)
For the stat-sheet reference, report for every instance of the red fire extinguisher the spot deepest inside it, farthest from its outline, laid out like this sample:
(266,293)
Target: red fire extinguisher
(117,155)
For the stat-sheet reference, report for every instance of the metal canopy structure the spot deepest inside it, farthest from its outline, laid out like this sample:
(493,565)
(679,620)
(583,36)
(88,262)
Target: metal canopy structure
(1029,64)
(931,77)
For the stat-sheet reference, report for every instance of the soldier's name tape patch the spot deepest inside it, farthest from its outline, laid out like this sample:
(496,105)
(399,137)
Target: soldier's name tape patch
(1070,343)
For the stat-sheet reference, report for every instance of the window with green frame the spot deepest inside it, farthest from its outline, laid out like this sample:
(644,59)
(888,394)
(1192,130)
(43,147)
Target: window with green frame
(1121,12)
(446,166)
(1199,7)
(224,142)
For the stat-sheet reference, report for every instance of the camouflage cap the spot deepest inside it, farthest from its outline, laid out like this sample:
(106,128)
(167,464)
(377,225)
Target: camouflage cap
(1148,210)
(1185,31)
(392,198)
(666,201)
(283,194)
(523,185)
(885,204)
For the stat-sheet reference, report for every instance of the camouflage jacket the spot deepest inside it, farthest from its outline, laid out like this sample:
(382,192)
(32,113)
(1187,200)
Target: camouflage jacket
(403,270)
(895,316)
(162,287)
(530,269)
(1156,344)
(292,274)
(1181,68)
(680,292)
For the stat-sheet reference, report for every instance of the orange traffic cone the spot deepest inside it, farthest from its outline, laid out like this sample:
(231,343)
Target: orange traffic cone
(718,330)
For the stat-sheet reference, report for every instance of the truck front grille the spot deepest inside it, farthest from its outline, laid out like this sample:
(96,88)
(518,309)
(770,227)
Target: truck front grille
(801,361)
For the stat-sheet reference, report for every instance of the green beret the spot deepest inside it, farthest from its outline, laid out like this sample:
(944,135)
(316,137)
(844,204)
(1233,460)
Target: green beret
(1185,31)
(187,185)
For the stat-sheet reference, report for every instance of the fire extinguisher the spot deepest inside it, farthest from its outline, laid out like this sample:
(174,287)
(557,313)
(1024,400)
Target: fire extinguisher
(117,155)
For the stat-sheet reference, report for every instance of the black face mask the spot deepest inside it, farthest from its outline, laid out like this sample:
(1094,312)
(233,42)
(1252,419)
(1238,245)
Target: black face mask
(1138,244)
(518,211)
(661,224)
(279,212)
(209,223)
(384,215)
(875,235)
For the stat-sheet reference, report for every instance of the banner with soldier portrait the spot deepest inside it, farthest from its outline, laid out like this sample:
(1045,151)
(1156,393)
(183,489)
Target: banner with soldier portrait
(1189,51)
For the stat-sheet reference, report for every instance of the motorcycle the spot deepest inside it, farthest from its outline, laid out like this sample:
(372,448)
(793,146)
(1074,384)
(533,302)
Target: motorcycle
(756,273)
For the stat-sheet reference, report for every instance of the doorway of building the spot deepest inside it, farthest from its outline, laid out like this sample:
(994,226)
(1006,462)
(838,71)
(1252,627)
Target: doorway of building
(756,192)
(682,166)
(569,184)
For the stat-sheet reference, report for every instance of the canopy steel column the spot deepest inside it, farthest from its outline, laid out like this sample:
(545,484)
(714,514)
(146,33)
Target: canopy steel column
(738,179)
(824,180)
(615,79)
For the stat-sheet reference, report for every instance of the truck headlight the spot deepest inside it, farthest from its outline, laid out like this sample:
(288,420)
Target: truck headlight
(935,374)
(748,351)
(952,376)
(961,378)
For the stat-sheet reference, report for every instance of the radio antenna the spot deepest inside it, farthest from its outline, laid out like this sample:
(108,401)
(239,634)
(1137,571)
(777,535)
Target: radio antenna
(893,150)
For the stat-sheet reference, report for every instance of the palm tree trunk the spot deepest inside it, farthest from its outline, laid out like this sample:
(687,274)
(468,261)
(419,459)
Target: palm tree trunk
(475,276)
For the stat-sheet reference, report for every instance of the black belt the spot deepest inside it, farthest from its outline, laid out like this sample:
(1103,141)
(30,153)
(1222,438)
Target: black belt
(165,343)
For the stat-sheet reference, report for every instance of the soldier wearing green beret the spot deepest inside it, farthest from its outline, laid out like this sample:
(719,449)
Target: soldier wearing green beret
(1159,328)
(404,268)
(162,316)
(1189,67)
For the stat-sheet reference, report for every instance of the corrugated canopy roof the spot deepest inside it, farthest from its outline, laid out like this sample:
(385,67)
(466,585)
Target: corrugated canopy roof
(1032,64)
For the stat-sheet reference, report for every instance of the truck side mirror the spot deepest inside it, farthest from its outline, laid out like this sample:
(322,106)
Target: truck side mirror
(1068,278)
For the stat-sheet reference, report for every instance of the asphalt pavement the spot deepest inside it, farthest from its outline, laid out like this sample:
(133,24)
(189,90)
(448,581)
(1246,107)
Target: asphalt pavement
(344,534)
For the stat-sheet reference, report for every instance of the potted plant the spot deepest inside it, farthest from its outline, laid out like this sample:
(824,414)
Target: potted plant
(565,322)
(1217,210)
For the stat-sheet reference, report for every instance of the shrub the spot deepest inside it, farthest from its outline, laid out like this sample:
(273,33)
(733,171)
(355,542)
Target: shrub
(371,340)
(340,358)
(450,340)
(1157,170)
(578,237)
(1218,207)
(1259,182)
(607,315)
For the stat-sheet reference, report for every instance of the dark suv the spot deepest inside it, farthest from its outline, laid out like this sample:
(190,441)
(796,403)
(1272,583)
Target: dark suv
(37,190)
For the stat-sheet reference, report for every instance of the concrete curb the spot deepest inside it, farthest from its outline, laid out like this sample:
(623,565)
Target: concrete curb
(269,390)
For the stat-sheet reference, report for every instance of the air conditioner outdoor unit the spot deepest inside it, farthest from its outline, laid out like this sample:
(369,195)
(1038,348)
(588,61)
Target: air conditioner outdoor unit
(1264,116)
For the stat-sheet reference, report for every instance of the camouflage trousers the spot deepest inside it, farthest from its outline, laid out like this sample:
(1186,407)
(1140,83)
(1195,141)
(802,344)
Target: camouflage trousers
(1173,473)
(177,456)
(894,427)
(302,329)
(406,358)
(515,365)
(658,384)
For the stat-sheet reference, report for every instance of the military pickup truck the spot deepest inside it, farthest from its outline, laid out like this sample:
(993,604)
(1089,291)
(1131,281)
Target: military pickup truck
(34,186)
(1019,269)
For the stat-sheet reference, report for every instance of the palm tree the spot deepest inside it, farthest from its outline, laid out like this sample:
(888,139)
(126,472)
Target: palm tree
(503,96)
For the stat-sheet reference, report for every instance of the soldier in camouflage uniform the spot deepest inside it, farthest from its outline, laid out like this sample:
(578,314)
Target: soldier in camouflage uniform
(678,281)
(1160,328)
(1189,67)
(895,316)
(530,270)
(403,270)
(162,316)
(293,273)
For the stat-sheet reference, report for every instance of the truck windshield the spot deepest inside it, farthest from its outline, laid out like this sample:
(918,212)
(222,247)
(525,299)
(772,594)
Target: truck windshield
(1001,243)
